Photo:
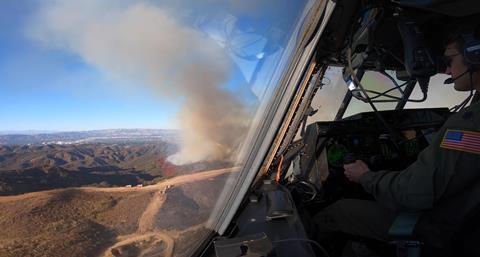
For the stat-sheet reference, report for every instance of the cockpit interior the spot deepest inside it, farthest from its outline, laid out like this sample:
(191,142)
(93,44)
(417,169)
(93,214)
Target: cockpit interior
(401,41)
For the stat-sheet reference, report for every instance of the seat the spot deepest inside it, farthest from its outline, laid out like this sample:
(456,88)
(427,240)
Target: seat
(402,233)
(466,239)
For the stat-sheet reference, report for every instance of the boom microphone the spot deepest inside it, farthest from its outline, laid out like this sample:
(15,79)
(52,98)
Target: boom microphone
(451,80)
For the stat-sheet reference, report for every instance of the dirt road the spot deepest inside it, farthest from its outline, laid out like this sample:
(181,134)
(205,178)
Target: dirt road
(160,185)
(147,240)
(147,220)
(147,236)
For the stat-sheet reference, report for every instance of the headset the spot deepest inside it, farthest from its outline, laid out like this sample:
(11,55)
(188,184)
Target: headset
(471,57)
(471,50)
(470,53)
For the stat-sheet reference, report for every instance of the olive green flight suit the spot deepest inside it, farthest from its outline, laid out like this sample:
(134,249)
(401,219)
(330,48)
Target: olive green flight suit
(444,184)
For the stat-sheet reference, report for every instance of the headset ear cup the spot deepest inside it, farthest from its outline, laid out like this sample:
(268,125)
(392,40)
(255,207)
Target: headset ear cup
(471,51)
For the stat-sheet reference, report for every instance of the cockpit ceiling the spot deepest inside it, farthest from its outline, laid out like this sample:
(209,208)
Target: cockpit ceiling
(455,8)
(435,18)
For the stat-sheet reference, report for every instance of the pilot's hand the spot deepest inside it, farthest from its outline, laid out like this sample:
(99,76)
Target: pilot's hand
(354,171)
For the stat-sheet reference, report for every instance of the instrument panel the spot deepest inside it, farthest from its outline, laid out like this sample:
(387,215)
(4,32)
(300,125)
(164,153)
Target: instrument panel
(363,136)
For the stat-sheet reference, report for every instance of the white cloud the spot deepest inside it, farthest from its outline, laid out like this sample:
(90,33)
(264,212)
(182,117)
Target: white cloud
(143,43)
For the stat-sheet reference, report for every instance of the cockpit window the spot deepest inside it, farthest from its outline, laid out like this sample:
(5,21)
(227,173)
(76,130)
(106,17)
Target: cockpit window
(439,94)
(329,97)
(122,122)
(376,83)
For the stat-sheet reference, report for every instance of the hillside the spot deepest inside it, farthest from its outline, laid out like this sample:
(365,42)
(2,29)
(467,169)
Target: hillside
(29,168)
(148,221)
(71,198)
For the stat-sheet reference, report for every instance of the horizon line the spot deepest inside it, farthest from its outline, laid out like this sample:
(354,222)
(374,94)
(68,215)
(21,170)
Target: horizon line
(47,131)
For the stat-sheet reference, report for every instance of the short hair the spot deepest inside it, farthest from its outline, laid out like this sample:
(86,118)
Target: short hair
(457,34)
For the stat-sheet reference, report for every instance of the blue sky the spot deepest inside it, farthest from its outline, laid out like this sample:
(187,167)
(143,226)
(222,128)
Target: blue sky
(50,89)
(45,87)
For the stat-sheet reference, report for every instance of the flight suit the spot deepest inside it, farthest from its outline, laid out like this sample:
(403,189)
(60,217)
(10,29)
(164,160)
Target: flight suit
(444,184)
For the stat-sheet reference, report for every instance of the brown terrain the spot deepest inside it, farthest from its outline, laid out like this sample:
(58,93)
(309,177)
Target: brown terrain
(31,168)
(163,219)
(83,200)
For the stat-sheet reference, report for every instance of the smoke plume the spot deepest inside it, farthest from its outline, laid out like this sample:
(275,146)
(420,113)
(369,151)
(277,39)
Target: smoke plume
(144,44)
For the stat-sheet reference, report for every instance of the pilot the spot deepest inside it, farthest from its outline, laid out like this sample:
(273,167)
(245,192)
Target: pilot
(443,184)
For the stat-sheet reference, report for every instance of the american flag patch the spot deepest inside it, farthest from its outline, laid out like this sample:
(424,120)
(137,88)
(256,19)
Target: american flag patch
(461,140)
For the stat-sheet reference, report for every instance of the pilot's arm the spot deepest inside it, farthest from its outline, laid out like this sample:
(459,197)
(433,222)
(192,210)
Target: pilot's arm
(411,189)
(417,187)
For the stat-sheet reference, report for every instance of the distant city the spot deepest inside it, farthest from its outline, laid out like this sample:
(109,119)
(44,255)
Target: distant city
(94,136)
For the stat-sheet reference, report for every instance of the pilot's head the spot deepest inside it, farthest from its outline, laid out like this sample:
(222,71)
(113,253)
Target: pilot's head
(461,62)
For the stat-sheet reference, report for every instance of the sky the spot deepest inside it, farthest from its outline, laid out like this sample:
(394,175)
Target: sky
(45,88)
(56,75)
(202,67)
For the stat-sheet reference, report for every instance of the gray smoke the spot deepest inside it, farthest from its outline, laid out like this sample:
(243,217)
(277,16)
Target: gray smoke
(144,44)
